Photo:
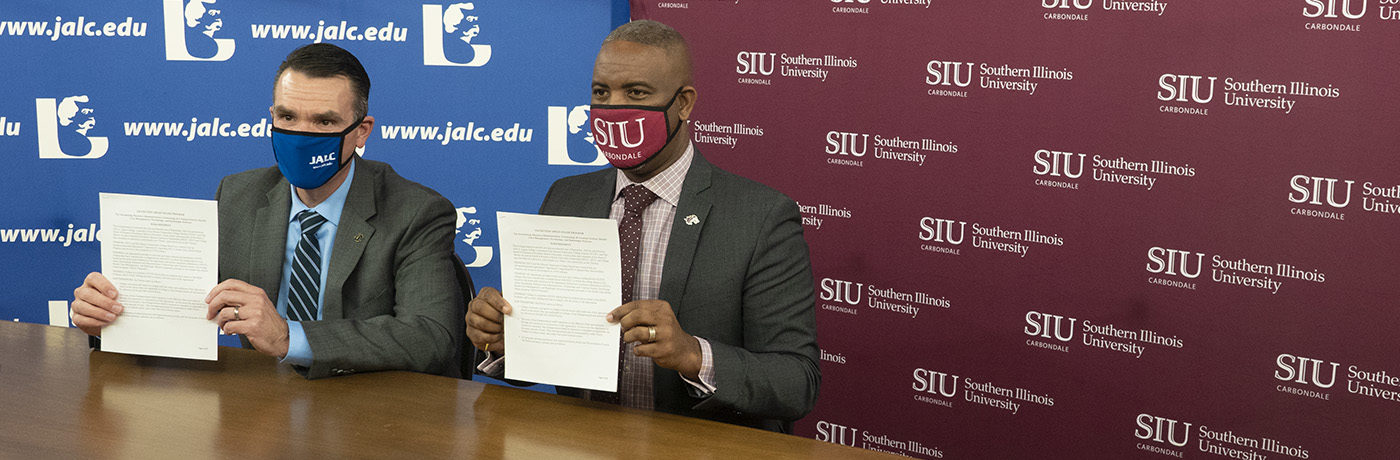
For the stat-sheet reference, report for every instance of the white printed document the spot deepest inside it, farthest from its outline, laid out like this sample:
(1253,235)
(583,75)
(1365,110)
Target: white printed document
(162,254)
(561,275)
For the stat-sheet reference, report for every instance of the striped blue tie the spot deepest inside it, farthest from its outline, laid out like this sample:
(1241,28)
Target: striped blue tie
(306,270)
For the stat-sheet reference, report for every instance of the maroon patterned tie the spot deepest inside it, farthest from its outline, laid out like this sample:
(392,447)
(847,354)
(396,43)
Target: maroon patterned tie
(635,198)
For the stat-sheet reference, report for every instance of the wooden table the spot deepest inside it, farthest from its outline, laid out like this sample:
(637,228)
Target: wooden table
(60,400)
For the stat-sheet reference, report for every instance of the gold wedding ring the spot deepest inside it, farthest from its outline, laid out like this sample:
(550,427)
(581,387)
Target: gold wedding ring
(235,315)
(651,330)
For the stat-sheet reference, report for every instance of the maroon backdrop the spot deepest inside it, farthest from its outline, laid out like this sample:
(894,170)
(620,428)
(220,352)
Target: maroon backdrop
(1079,228)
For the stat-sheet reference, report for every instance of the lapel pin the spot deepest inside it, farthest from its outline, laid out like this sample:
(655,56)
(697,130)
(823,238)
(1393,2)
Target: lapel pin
(692,220)
(359,236)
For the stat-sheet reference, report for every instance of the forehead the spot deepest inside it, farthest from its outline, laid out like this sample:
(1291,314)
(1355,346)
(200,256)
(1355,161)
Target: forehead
(298,91)
(622,61)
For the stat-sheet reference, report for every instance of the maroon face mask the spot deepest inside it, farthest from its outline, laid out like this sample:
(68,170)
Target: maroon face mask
(630,135)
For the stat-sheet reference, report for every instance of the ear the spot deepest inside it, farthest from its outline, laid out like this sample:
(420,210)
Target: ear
(686,99)
(363,132)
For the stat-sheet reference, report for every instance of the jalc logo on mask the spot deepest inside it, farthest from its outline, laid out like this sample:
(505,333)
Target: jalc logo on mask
(190,27)
(76,119)
(321,161)
(459,22)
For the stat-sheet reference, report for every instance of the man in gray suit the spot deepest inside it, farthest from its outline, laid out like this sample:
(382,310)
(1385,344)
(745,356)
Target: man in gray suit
(723,325)
(330,262)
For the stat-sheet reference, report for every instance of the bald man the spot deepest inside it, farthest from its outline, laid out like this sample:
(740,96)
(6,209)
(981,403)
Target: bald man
(719,319)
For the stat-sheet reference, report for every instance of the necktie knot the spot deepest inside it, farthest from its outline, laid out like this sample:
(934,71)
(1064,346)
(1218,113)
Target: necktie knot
(636,198)
(310,222)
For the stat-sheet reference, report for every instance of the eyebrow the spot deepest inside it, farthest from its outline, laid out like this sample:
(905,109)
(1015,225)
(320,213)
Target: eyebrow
(628,85)
(327,115)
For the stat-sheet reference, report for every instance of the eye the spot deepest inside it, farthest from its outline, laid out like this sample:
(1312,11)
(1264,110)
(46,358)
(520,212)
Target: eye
(285,117)
(600,93)
(637,93)
(327,123)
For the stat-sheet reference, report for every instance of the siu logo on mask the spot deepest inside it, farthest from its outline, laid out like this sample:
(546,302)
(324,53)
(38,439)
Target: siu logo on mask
(481,255)
(449,33)
(191,27)
(569,133)
(64,128)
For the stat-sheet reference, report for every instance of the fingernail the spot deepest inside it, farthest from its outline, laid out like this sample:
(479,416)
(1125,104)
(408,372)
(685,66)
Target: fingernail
(118,308)
(609,318)
(507,310)
(111,317)
(112,293)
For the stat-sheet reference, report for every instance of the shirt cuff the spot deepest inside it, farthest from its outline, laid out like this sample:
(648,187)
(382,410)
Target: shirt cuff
(492,366)
(298,351)
(706,386)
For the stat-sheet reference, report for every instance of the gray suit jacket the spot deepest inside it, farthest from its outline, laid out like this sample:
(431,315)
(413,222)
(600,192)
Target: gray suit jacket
(391,301)
(740,279)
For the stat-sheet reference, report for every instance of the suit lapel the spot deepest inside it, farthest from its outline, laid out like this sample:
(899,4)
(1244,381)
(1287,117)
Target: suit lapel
(268,246)
(685,238)
(351,236)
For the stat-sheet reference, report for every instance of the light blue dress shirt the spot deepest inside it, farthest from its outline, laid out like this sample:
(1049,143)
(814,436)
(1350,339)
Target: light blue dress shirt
(298,351)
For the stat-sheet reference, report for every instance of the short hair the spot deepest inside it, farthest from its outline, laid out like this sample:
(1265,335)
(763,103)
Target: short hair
(324,60)
(652,33)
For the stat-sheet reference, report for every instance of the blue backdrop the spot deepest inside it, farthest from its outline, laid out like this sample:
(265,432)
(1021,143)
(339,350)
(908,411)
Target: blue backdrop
(480,100)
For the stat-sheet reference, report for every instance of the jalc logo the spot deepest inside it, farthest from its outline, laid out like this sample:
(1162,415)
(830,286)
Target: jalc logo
(755,63)
(1305,371)
(836,434)
(942,230)
(76,119)
(934,382)
(1161,429)
(481,255)
(567,134)
(1173,262)
(1178,88)
(1077,4)
(459,21)
(189,31)
(1048,162)
(1331,8)
(843,143)
(841,291)
(1049,326)
(949,73)
(1309,189)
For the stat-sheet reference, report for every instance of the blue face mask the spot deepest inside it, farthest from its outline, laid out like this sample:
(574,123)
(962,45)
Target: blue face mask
(309,160)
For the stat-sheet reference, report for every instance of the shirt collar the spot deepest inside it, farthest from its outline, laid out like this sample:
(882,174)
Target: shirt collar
(667,183)
(332,207)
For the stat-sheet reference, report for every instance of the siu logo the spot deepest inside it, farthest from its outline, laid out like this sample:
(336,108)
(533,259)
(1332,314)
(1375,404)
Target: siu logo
(934,382)
(1173,262)
(1305,371)
(1076,4)
(1183,88)
(1331,8)
(191,29)
(611,133)
(843,143)
(836,434)
(1310,190)
(1058,164)
(64,129)
(448,33)
(755,63)
(1049,326)
(949,73)
(841,291)
(1161,429)
(942,230)
(567,135)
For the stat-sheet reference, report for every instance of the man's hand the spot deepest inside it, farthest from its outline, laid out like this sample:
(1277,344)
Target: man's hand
(95,304)
(485,317)
(242,308)
(670,347)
